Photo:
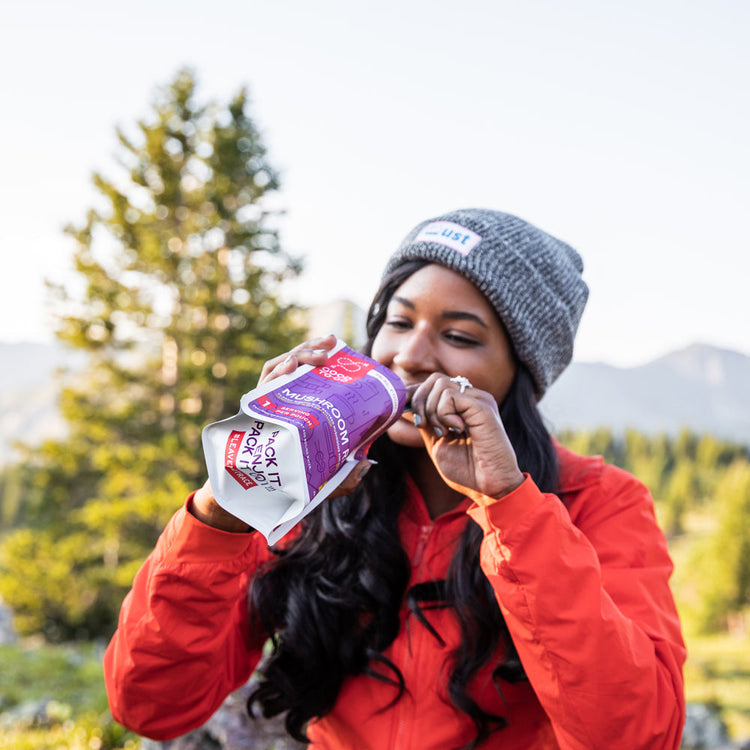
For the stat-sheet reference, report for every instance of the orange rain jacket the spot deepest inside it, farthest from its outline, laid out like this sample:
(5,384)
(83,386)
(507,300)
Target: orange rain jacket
(583,587)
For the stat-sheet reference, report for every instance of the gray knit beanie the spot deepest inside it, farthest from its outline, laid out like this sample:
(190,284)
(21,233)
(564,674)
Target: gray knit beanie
(531,279)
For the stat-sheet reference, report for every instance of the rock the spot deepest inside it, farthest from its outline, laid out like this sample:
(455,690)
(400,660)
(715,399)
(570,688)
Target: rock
(231,728)
(704,728)
(7,631)
(43,712)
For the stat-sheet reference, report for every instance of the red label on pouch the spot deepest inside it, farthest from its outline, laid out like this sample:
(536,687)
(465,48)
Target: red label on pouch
(265,403)
(240,477)
(344,367)
(234,441)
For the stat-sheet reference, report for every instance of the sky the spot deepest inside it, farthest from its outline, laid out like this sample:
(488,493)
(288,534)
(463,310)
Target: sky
(620,127)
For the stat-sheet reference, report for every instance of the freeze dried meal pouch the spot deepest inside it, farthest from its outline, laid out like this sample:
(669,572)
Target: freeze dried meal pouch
(296,438)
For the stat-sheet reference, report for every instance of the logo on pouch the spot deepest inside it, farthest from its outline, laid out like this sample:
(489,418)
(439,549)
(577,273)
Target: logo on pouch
(450,234)
(344,367)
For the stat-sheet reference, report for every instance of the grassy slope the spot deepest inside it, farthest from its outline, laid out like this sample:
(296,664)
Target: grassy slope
(68,679)
(718,665)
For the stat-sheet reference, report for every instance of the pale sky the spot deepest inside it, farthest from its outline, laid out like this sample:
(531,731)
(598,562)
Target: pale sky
(621,127)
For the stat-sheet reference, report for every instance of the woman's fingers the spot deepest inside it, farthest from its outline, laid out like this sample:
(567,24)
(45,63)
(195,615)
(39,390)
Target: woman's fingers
(313,352)
(465,437)
(355,476)
(439,406)
(443,411)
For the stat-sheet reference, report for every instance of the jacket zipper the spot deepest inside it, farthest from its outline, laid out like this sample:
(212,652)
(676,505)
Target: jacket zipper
(424,535)
(417,560)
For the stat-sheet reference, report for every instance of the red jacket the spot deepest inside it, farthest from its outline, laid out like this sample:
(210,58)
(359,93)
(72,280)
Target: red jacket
(583,588)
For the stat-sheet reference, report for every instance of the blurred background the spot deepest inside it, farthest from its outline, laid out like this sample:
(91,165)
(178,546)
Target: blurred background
(189,189)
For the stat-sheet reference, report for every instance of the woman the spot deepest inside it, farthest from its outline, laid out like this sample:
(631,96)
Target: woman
(480,586)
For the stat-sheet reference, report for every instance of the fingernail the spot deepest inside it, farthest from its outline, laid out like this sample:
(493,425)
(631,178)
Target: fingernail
(364,471)
(438,432)
(320,351)
(417,420)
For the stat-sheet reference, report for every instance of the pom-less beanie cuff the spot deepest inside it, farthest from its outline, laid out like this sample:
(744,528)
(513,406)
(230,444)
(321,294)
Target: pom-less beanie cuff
(532,279)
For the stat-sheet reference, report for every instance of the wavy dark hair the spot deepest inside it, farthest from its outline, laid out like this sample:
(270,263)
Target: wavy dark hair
(331,598)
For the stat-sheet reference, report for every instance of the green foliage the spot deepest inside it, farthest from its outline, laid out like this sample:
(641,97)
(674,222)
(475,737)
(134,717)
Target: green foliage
(679,494)
(53,697)
(73,580)
(724,557)
(178,307)
(718,673)
(72,674)
(86,732)
(599,442)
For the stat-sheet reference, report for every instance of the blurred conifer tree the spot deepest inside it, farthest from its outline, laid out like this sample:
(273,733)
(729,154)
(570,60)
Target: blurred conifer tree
(179,305)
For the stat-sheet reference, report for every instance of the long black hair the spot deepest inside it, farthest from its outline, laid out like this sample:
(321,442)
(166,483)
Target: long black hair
(331,599)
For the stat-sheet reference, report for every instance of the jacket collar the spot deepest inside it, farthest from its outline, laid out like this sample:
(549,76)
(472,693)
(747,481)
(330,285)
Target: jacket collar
(415,508)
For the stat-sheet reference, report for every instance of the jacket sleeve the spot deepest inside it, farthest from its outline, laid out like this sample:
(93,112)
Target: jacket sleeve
(590,611)
(183,641)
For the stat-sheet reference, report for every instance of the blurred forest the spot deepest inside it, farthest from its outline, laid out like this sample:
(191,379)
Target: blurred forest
(180,304)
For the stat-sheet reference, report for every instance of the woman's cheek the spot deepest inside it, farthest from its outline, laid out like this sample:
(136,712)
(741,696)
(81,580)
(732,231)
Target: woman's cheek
(378,351)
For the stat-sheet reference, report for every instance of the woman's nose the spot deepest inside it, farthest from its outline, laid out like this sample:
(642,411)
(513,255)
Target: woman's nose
(416,352)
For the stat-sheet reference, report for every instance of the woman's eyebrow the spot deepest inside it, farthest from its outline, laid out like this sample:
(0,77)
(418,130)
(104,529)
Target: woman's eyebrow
(406,302)
(447,314)
(461,315)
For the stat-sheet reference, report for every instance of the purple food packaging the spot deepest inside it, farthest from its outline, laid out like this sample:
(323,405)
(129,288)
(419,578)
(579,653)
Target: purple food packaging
(297,437)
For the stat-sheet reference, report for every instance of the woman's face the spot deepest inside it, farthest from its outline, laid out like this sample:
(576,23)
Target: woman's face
(438,321)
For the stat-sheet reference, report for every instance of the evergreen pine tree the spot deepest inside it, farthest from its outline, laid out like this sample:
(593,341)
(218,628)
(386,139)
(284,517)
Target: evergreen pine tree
(180,304)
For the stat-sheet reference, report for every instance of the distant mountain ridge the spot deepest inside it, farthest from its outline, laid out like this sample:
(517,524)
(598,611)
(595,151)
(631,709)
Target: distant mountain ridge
(702,387)
(29,390)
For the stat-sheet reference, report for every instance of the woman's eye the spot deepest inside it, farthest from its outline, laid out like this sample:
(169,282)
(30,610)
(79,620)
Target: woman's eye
(460,339)
(397,323)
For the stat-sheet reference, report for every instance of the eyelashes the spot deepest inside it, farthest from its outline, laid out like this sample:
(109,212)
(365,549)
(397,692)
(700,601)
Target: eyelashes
(462,340)
(453,337)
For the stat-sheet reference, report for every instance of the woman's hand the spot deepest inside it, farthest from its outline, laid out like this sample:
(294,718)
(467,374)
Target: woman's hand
(205,508)
(465,438)
(313,352)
